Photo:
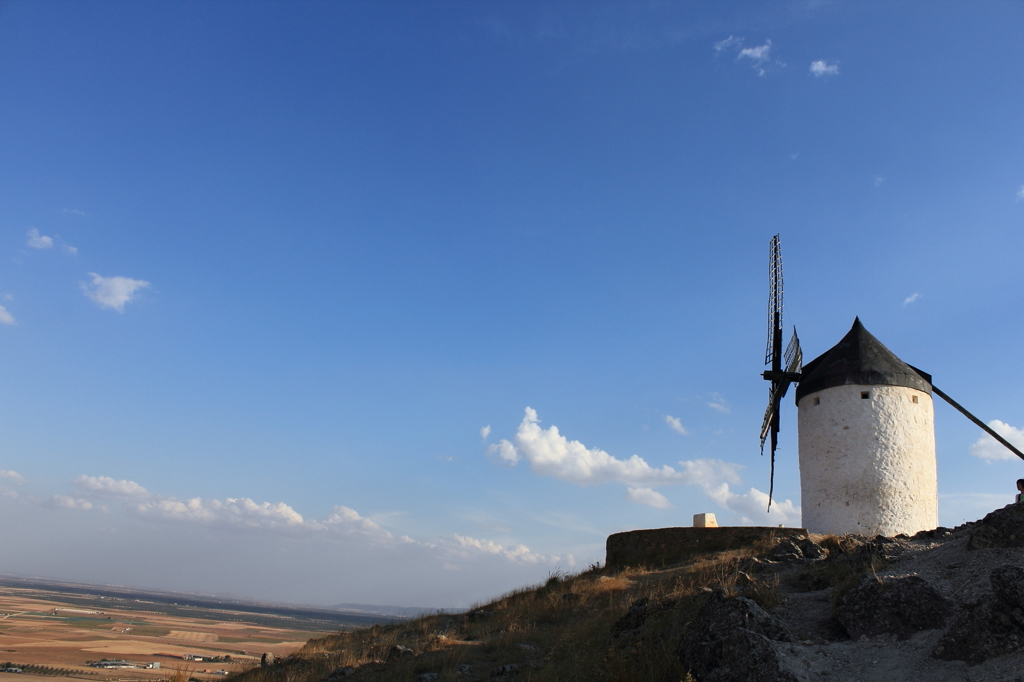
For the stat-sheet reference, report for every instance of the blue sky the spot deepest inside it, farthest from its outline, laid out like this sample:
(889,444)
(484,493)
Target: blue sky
(279,278)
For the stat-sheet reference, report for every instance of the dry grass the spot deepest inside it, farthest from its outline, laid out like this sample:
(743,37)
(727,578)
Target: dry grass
(560,630)
(180,673)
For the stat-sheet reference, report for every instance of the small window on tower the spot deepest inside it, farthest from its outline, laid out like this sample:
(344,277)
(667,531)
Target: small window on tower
(817,401)
(914,398)
(865,395)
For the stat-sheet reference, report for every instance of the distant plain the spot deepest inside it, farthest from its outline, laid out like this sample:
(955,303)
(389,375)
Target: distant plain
(63,626)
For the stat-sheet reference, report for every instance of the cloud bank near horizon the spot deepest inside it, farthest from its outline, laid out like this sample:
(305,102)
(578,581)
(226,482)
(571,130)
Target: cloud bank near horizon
(244,515)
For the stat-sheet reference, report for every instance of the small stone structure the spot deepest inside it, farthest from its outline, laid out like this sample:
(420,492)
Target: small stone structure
(705,521)
(660,547)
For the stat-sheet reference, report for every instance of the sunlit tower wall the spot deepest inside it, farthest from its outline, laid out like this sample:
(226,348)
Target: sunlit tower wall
(867,441)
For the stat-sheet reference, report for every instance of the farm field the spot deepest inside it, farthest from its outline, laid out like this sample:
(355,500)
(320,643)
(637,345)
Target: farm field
(61,631)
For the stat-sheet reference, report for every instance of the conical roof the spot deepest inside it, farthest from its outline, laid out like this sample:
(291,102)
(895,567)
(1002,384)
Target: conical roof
(860,359)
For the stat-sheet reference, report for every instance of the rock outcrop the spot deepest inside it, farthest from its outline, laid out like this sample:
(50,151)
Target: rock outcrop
(1000,528)
(993,626)
(802,549)
(898,606)
(734,640)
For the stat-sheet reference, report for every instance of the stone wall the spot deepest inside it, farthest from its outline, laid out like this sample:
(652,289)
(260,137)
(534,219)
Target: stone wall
(660,547)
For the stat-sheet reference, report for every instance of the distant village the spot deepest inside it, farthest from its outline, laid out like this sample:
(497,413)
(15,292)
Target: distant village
(122,664)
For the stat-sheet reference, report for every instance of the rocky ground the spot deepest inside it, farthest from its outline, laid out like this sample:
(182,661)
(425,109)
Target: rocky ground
(946,604)
(943,605)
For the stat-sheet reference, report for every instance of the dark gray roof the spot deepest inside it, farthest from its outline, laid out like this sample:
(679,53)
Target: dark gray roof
(861,359)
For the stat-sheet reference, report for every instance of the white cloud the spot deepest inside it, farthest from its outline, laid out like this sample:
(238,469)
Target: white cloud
(346,520)
(6,317)
(552,454)
(112,292)
(760,56)
(67,502)
(753,506)
(879,180)
(1020,193)
(485,432)
(706,472)
(910,299)
(72,211)
(104,485)
(822,69)
(67,248)
(265,550)
(989,448)
(757,54)
(652,498)
(230,512)
(676,425)
(517,553)
(38,241)
(715,476)
(12,475)
(728,43)
(505,451)
(719,403)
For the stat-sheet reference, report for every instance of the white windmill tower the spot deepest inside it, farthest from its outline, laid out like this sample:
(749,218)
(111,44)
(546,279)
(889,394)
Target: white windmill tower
(866,441)
(866,430)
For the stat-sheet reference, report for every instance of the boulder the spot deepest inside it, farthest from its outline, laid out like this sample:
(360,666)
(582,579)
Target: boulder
(266,660)
(633,619)
(980,632)
(933,534)
(338,673)
(1008,585)
(811,550)
(506,670)
(992,627)
(897,606)
(734,640)
(786,551)
(801,549)
(1000,528)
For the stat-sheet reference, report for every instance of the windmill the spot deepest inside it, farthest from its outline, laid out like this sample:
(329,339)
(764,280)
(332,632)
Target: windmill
(773,355)
(866,429)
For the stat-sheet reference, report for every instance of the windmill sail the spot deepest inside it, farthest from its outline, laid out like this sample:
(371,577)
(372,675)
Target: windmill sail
(774,304)
(774,356)
(794,356)
(794,359)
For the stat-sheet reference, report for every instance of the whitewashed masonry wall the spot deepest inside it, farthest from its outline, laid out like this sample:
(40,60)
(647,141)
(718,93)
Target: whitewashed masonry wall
(867,465)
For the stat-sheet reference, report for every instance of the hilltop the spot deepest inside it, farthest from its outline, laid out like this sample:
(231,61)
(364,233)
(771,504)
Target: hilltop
(945,604)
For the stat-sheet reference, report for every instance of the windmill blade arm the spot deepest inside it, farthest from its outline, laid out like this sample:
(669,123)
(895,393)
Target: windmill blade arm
(766,424)
(788,377)
(771,413)
(985,427)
